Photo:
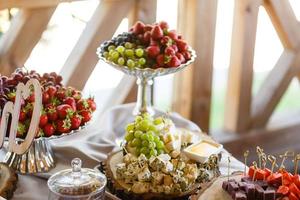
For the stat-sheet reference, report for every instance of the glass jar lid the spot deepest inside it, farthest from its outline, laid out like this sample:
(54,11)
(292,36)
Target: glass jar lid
(77,181)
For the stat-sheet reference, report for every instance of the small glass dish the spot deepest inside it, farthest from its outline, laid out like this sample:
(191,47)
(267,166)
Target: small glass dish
(202,150)
(77,184)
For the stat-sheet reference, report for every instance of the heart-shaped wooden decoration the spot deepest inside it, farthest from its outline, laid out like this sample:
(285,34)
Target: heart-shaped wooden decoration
(13,109)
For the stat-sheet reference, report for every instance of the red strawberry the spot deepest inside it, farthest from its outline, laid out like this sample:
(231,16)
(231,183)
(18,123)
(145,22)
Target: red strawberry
(70,101)
(22,116)
(182,45)
(63,126)
(163,25)
(160,60)
(138,28)
(174,62)
(86,116)
(92,104)
(45,98)
(172,34)
(174,47)
(31,98)
(75,122)
(187,55)
(156,32)
(146,37)
(61,94)
(28,109)
(169,51)
(82,105)
(43,120)
(51,90)
(153,51)
(166,40)
(180,57)
(48,130)
(51,112)
(64,110)
(148,27)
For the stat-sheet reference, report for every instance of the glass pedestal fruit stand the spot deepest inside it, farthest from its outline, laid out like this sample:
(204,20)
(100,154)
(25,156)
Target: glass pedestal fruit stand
(145,78)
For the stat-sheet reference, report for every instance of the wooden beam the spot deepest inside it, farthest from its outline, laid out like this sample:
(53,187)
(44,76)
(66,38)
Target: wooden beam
(274,87)
(101,27)
(24,33)
(182,89)
(285,22)
(203,67)
(5,4)
(239,89)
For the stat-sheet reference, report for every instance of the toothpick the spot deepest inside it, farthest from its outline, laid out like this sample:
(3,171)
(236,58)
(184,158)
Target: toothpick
(259,152)
(255,169)
(296,161)
(284,157)
(246,154)
(264,162)
(228,173)
(272,159)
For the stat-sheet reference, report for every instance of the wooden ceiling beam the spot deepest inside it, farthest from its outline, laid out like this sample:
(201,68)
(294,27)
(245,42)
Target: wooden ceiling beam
(273,88)
(24,33)
(103,24)
(240,75)
(6,4)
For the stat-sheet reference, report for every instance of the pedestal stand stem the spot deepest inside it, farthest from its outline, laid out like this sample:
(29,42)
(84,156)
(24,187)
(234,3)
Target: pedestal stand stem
(144,95)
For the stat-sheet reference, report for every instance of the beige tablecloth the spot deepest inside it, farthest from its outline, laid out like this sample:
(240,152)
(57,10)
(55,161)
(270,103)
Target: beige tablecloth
(92,145)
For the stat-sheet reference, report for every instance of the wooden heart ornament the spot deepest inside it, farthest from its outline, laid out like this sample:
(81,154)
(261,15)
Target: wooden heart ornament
(13,110)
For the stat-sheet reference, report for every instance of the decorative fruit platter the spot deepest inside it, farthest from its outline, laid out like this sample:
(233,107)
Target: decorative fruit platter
(147,51)
(64,112)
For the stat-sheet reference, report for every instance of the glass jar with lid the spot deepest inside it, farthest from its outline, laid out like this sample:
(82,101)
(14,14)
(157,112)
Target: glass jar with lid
(77,184)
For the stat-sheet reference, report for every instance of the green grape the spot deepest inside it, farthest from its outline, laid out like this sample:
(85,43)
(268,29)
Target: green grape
(144,125)
(130,63)
(105,54)
(142,61)
(115,55)
(152,128)
(138,119)
(110,58)
(111,47)
(144,136)
(129,53)
(153,152)
(138,134)
(156,139)
(158,120)
(130,144)
(152,145)
(144,150)
(120,49)
(129,136)
(136,142)
(110,53)
(160,151)
(130,127)
(160,145)
(138,150)
(121,61)
(145,143)
(128,45)
(139,52)
(150,136)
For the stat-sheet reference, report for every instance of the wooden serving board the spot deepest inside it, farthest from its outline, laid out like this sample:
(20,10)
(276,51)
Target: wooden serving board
(117,190)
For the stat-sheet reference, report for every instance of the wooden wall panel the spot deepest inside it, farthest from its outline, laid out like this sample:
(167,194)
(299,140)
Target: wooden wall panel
(24,33)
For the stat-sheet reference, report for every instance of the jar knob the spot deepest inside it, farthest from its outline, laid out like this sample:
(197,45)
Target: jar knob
(76,165)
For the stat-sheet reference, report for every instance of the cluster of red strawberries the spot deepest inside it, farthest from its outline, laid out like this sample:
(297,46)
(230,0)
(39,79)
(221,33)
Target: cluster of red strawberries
(165,46)
(64,109)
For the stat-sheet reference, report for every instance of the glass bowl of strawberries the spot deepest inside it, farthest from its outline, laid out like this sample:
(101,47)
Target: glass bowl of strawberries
(64,112)
(147,51)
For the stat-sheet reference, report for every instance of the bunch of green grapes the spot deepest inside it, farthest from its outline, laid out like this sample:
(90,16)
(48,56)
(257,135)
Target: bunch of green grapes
(144,137)
(129,54)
